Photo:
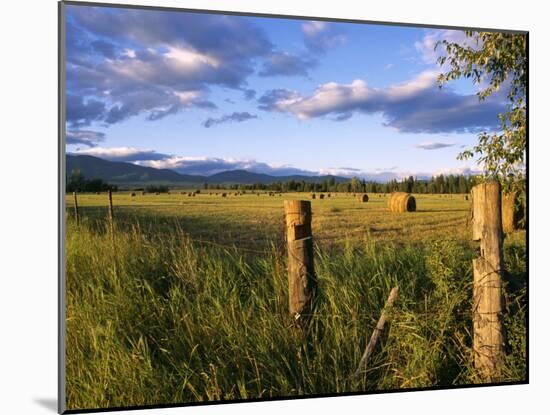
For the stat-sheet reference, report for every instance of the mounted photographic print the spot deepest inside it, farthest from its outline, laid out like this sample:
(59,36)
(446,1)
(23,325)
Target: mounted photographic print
(258,207)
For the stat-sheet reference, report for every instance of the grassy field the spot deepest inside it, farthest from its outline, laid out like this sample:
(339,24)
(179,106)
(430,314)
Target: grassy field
(191,304)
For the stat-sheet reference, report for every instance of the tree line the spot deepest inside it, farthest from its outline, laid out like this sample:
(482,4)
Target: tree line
(446,184)
(437,184)
(76,182)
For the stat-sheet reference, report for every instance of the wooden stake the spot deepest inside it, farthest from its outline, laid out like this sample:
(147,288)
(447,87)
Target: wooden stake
(76,215)
(487,302)
(376,333)
(301,275)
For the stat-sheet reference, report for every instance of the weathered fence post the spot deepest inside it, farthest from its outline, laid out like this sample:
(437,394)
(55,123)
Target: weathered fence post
(509,214)
(301,276)
(487,302)
(76,215)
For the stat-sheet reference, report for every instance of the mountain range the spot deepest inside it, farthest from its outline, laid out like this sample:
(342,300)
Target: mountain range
(117,172)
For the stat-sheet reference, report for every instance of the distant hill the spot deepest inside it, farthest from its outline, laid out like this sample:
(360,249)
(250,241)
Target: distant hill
(121,172)
(247,177)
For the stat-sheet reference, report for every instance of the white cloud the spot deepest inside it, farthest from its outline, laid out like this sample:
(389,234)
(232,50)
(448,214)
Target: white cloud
(321,36)
(431,145)
(127,154)
(427,46)
(185,58)
(313,28)
(84,137)
(416,105)
(458,170)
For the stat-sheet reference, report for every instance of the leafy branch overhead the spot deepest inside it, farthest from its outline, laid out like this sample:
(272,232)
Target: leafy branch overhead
(497,61)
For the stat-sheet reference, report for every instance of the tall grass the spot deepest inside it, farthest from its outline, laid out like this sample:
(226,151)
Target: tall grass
(165,320)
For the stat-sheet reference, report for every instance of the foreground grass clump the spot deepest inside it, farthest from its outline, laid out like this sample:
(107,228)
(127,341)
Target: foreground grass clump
(163,319)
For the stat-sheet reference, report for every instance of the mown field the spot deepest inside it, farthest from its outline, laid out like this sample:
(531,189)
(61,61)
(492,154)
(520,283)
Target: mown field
(190,303)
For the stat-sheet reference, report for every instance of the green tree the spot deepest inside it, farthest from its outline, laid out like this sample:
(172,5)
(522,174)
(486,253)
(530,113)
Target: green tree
(496,60)
(356,185)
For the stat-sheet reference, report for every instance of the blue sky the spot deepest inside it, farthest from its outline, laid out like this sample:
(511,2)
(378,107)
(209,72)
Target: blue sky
(202,93)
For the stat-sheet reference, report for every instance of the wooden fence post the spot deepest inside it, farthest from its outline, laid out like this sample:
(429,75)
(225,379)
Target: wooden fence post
(76,215)
(487,302)
(301,275)
(509,215)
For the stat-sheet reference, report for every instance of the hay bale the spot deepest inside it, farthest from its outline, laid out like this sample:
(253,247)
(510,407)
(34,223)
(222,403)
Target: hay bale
(363,198)
(313,196)
(321,196)
(328,195)
(133,194)
(512,211)
(465,197)
(143,193)
(224,194)
(402,202)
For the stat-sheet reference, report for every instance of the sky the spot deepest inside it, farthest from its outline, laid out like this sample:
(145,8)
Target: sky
(204,93)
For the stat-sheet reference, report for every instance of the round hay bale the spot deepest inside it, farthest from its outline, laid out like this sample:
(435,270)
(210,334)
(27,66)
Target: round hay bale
(363,198)
(321,196)
(402,202)
(133,194)
(224,194)
(313,195)
(328,195)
